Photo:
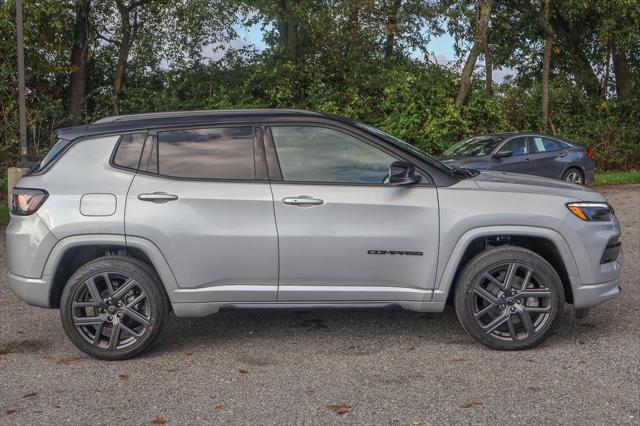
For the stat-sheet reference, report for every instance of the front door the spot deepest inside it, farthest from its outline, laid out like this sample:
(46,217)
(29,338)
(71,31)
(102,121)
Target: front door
(345,235)
(198,199)
(519,162)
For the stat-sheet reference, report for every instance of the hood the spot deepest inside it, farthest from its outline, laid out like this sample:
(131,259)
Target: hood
(515,182)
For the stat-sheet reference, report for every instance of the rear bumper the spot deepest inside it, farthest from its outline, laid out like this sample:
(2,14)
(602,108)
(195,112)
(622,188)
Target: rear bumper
(34,291)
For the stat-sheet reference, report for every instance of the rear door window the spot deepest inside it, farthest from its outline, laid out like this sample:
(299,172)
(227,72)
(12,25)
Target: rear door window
(212,153)
(542,144)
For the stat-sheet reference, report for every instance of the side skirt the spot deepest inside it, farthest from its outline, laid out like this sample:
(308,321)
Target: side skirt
(186,310)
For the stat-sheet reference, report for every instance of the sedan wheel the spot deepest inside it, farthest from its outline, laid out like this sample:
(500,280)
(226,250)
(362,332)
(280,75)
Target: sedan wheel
(573,176)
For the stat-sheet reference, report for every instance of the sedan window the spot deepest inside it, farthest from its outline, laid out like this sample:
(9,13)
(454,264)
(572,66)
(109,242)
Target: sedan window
(518,146)
(540,144)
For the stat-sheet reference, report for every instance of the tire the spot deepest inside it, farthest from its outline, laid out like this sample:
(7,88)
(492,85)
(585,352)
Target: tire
(494,310)
(573,175)
(130,301)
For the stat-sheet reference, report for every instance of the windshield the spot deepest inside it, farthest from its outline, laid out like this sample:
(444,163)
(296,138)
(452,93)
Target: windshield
(479,145)
(409,148)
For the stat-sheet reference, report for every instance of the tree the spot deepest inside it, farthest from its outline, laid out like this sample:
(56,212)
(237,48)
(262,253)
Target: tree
(79,63)
(547,125)
(479,43)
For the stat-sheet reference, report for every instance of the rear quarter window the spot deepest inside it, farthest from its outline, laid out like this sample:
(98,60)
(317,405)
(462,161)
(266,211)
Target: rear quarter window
(129,151)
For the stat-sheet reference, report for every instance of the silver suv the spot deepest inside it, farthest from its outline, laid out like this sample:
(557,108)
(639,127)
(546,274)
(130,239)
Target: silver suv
(134,216)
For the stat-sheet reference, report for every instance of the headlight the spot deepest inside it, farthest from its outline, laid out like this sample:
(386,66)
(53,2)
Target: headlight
(592,212)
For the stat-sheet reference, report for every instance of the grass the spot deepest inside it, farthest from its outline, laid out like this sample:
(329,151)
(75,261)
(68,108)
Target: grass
(617,178)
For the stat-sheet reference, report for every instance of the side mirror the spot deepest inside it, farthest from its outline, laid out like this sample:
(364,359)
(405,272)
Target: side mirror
(503,154)
(402,173)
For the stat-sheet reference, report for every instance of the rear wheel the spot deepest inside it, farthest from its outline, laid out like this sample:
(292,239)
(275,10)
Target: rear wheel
(509,298)
(113,308)
(573,175)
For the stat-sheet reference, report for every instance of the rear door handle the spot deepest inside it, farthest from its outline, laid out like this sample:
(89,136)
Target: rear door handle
(563,154)
(302,200)
(157,197)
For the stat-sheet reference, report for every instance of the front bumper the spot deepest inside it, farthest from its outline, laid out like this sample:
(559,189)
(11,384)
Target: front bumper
(34,291)
(585,296)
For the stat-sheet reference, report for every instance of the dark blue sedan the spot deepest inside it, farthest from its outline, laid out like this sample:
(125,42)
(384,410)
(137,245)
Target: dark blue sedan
(528,153)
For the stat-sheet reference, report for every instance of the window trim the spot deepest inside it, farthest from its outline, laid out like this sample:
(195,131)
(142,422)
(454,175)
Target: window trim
(258,159)
(274,161)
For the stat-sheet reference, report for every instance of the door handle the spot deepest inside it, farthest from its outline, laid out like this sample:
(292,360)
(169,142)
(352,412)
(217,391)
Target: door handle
(564,154)
(157,197)
(302,200)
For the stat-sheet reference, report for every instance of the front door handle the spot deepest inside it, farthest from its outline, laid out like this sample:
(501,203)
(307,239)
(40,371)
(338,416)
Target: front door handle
(302,200)
(157,197)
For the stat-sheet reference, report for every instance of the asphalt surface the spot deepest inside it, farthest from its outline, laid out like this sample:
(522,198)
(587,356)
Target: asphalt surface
(368,366)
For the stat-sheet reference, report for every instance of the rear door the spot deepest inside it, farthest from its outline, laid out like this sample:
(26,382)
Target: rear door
(203,198)
(550,156)
(344,234)
(519,162)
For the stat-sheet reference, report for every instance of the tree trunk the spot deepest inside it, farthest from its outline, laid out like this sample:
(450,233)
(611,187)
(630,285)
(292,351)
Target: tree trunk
(288,31)
(479,41)
(621,72)
(123,51)
(79,64)
(583,72)
(547,124)
(392,28)
(488,67)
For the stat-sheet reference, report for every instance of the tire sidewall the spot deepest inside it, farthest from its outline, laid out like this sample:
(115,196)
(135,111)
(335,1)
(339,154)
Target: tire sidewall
(138,271)
(490,259)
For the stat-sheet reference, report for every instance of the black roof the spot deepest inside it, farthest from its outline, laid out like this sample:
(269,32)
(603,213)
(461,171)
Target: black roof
(124,123)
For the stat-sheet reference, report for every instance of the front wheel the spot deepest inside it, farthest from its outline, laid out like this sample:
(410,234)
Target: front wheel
(113,308)
(509,298)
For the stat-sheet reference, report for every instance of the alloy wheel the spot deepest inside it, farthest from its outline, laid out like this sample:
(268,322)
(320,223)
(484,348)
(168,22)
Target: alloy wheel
(574,177)
(511,303)
(111,311)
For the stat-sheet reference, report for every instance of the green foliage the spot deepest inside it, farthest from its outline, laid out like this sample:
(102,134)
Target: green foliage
(351,58)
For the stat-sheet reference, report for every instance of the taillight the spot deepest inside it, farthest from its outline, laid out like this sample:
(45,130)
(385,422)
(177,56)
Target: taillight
(589,153)
(27,201)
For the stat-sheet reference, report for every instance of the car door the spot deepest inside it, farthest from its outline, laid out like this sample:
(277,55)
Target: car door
(550,156)
(519,162)
(345,235)
(203,198)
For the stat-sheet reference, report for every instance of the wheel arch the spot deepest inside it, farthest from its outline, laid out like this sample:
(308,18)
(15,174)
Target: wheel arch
(71,253)
(576,166)
(547,243)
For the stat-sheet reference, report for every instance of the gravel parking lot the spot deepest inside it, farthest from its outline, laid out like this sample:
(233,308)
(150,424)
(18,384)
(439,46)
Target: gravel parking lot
(365,366)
